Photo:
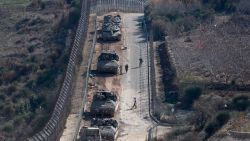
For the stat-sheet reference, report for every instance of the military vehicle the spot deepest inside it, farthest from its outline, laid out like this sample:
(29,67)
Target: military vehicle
(108,62)
(108,127)
(90,134)
(104,104)
(111,28)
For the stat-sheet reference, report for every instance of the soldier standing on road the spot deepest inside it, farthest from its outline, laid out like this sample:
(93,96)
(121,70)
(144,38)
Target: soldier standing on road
(120,69)
(126,68)
(140,62)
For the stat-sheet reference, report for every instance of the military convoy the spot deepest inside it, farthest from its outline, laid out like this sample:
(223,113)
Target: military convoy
(105,103)
(111,28)
(108,62)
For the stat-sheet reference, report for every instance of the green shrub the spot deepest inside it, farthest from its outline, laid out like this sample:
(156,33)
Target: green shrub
(2,97)
(30,84)
(8,110)
(228,6)
(7,127)
(10,90)
(47,78)
(191,94)
(241,103)
(211,128)
(42,5)
(76,3)
(222,118)
(35,102)
(172,97)
(31,48)
(28,117)
(74,16)
(216,124)
(200,121)
(19,120)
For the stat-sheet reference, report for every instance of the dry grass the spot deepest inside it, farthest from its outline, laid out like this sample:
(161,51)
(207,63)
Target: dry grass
(29,48)
(217,52)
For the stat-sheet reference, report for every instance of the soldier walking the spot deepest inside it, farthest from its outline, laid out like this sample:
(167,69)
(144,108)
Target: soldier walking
(135,104)
(126,68)
(140,62)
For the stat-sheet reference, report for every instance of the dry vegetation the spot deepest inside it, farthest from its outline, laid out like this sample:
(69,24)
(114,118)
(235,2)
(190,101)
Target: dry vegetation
(34,55)
(216,52)
(207,49)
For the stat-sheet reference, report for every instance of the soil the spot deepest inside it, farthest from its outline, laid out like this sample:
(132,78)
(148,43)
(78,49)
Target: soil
(76,100)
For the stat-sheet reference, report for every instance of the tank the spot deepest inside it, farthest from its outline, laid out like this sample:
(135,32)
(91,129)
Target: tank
(108,62)
(90,134)
(104,104)
(111,28)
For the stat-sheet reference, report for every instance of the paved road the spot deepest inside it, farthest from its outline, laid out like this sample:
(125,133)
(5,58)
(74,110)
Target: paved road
(134,123)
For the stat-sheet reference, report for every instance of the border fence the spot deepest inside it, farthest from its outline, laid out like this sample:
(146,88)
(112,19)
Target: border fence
(105,6)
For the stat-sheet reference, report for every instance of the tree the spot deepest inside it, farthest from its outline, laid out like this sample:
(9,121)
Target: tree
(74,16)
(241,102)
(191,94)
(217,123)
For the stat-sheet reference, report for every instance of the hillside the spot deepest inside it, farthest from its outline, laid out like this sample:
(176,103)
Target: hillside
(204,61)
(35,38)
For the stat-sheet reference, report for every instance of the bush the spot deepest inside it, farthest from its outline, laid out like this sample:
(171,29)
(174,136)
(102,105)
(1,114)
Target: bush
(10,90)
(211,128)
(172,97)
(35,102)
(222,118)
(7,127)
(42,5)
(2,97)
(241,103)
(47,79)
(8,110)
(74,16)
(200,120)
(30,84)
(217,123)
(9,76)
(228,6)
(76,3)
(31,48)
(159,29)
(19,120)
(191,94)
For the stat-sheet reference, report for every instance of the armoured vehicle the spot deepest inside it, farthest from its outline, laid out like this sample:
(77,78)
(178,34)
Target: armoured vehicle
(111,28)
(104,104)
(108,62)
(108,133)
(90,134)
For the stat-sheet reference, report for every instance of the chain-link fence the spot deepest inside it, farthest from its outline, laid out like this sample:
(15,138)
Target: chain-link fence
(105,6)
